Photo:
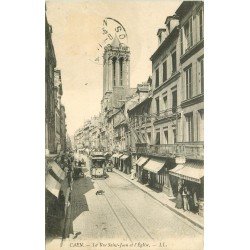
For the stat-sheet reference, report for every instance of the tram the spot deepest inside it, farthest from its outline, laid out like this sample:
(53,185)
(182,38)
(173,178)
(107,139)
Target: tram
(98,165)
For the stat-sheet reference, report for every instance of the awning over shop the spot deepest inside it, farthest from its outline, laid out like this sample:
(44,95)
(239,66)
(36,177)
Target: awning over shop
(124,157)
(57,170)
(114,156)
(119,155)
(50,156)
(52,185)
(189,171)
(154,165)
(142,160)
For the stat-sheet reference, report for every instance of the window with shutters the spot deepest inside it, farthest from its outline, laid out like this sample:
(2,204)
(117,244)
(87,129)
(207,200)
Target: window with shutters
(174,136)
(182,42)
(201,74)
(157,78)
(174,101)
(201,125)
(188,33)
(165,100)
(166,136)
(174,66)
(190,127)
(164,69)
(157,103)
(201,25)
(158,138)
(188,82)
(149,137)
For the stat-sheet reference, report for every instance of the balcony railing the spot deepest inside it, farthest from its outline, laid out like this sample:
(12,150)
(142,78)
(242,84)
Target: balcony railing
(168,113)
(141,120)
(190,150)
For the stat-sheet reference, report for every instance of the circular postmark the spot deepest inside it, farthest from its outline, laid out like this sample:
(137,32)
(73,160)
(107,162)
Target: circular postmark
(110,29)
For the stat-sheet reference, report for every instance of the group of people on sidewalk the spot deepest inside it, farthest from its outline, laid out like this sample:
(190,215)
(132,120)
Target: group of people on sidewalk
(66,162)
(186,198)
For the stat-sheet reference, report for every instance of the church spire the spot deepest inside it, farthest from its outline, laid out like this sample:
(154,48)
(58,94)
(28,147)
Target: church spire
(115,42)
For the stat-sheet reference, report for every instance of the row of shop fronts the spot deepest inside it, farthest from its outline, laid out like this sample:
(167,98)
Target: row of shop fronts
(166,175)
(56,194)
(122,162)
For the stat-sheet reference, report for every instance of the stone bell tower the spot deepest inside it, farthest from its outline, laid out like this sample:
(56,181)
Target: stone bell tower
(116,78)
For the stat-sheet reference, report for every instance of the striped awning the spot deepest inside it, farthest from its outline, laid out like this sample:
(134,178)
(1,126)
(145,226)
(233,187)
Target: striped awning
(191,171)
(154,165)
(57,170)
(52,185)
(142,160)
(114,155)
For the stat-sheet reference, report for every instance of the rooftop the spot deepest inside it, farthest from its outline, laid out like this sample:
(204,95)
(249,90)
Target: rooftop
(185,7)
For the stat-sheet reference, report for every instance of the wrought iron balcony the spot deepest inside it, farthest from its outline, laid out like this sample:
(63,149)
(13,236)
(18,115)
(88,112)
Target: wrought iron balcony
(171,113)
(190,150)
(141,121)
(163,150)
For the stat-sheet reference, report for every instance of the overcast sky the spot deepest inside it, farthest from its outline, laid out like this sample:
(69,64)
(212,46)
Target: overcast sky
(76,34)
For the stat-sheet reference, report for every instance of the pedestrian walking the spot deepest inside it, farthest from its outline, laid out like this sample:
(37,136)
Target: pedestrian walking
(193,201)
(68,227)
(185,199)
(61,212)
(179,200)
(133,173)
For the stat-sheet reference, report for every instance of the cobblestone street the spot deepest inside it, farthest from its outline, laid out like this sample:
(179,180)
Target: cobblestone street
(116,216)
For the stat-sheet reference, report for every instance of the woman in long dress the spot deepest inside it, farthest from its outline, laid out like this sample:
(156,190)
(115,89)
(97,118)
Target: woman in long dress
(179,201)
(185,199)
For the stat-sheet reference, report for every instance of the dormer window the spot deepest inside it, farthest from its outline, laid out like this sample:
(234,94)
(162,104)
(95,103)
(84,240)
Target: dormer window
(160,38)
(160,35)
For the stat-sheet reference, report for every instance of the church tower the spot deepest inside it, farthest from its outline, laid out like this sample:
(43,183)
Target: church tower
(116,78)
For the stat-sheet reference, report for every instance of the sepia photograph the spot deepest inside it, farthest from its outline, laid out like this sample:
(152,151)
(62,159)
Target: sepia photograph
(124,124)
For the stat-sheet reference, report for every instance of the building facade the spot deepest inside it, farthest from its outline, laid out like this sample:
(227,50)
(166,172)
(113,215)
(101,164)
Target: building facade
(55,115)
(50,64)
(157,128)
(63,134)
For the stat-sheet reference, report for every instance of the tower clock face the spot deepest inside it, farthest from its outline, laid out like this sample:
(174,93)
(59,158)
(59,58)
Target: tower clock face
(110,28)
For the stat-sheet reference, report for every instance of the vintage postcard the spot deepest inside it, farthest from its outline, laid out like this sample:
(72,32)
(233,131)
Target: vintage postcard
(124,111)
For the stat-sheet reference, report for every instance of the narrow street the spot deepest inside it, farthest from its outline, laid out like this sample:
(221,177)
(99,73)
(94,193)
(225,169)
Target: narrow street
(116,216)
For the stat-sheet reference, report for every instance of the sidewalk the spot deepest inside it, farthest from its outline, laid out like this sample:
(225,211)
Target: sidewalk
(197,220)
